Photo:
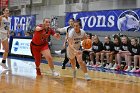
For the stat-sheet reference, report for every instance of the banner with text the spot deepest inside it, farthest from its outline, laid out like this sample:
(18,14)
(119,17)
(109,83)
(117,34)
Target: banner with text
(107,20)
(27,22)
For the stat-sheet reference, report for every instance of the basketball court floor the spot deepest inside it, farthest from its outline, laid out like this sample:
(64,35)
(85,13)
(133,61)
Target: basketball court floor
(22,79)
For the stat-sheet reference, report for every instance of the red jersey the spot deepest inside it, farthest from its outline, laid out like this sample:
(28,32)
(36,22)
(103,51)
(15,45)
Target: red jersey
(41,37)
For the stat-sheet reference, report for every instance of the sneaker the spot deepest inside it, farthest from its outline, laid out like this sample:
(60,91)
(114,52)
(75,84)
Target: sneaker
(63,67)
(96,65)
(58,52)
(125,67)
(87,77)
(114,67)
(87,64)
(4,66)
(55,74)
(106,66)
(38,73)
(133,70)
(100,65)
(74,74)
(118,67)
(128,69)
(137,71)
(109,66)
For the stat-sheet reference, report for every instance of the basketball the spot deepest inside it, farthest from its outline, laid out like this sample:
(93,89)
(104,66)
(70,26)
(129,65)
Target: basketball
(87,43)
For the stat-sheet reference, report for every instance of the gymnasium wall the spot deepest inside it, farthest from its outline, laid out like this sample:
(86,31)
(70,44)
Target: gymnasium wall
(52,8)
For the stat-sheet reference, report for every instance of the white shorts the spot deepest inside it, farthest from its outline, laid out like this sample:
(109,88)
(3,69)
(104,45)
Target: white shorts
(3,36)
(70,53)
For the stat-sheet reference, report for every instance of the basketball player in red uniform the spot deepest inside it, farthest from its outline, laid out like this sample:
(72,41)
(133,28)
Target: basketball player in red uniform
(39,45)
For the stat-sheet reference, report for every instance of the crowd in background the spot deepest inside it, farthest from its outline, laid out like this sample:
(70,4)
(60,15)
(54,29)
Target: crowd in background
(117,53)
(19,32)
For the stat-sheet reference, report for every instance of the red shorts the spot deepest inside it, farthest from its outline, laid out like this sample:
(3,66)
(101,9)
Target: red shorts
(37,49)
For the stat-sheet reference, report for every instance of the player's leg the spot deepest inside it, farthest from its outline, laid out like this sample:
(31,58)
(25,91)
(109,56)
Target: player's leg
(5,45)
(83,66)
(49,58)
(37,56)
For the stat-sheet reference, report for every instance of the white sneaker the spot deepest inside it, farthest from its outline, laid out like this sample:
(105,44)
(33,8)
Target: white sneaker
(106,66)
(55,74)
(128,69)
(58,52)
(114,67)
(109,66)
(133,70)
(4,66)
(87,64)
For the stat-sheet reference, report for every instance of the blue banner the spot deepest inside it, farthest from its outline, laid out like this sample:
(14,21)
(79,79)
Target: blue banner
(107,20)
(27,22)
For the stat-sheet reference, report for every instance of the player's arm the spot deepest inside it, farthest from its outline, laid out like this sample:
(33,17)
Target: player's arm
(70,44)
(70,40)
(38,28)
(55,34)
(85,36)
(62,30)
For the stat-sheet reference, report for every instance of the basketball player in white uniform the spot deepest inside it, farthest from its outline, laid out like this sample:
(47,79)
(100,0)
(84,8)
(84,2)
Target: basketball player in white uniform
(4,33)
(75,37)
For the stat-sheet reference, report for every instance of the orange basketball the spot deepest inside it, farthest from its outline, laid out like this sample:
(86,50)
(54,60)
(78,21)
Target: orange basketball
(87,43)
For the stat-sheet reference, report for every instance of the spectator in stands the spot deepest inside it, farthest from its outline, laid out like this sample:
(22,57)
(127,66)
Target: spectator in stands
(19,31)
(134,54)
(97,47)
(117,47)
(12,33)
(107,52)
(123,52)
(28,34)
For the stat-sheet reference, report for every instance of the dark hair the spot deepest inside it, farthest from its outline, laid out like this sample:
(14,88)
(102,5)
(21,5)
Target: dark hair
(108,37)
(118,38)
(136,40)
(90,35)
(78,23)
(4,9)
(128,40)
(79,20)
(71,19)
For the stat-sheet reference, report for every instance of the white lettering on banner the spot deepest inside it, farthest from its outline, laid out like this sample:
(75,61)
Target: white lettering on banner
(101,21)
(28,20)
(16,20)
(97,21)
(22,21)
(92,20)
(83,20)
(111,21)
(75,15)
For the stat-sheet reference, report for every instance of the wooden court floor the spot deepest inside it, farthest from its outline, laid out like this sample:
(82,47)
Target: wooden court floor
(22,79)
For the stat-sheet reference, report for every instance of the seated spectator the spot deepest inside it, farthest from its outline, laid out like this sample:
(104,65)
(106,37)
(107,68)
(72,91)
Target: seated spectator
(27,34)
(19,30)
(97,47)
(117,47)
(107,52)
(135,55)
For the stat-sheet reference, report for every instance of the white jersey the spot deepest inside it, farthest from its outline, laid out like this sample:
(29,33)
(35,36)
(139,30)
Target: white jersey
(77,38)
(5,25)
